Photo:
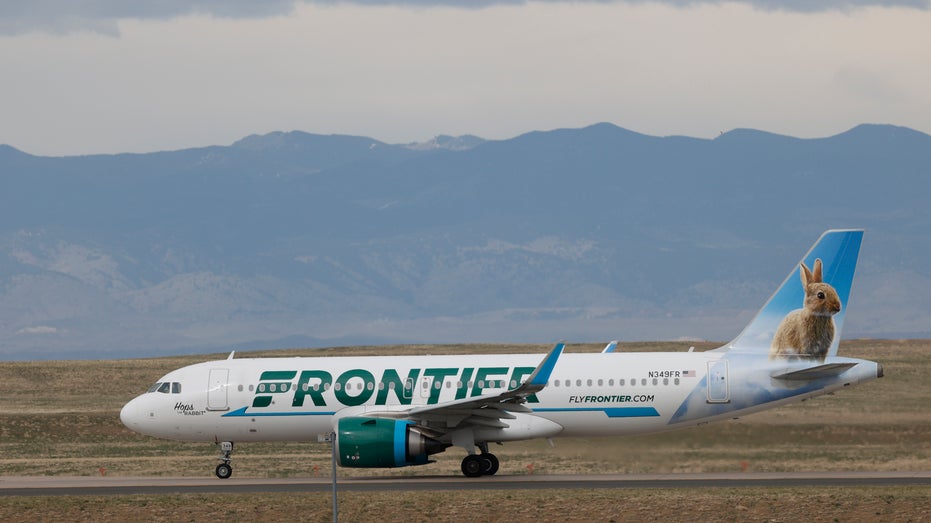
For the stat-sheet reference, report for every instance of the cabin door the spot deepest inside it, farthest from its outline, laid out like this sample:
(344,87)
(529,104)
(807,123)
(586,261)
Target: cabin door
(717,382)
(217,389)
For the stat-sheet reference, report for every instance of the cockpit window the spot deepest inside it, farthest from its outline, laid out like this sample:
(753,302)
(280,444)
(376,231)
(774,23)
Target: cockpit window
(166,387)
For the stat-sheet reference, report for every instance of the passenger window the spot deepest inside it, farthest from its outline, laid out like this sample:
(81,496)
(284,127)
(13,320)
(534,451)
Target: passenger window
(643,381)
(620,382)
(578,383)
(601,383)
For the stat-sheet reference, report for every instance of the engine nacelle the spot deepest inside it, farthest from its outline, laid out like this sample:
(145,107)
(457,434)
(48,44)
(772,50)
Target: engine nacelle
(381,442)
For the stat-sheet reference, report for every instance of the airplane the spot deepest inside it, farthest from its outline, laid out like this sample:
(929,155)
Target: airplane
(398,411)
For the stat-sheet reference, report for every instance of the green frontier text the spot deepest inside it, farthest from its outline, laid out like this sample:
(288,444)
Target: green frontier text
(316,385)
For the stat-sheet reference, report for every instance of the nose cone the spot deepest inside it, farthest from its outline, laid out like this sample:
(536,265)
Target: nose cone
(131,415)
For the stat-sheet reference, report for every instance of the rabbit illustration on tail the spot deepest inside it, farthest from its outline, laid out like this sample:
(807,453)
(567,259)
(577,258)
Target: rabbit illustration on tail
(808,332)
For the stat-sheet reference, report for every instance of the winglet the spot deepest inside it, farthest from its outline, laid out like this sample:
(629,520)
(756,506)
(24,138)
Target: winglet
(541,374)
(610,347)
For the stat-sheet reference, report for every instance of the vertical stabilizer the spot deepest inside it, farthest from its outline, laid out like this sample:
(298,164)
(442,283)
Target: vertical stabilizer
(805,316)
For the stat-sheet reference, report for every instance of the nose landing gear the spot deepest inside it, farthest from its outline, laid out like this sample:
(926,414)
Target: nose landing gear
(225,469)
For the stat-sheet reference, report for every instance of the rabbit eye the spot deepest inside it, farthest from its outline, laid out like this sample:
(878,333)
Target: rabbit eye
(820,295)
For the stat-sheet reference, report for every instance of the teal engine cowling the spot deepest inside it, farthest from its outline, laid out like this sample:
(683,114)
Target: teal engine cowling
(381,442)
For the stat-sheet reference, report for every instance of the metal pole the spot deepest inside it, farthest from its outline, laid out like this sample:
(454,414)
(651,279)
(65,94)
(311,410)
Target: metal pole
(335,501)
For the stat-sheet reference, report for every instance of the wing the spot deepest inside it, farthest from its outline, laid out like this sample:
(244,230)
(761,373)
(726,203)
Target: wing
(486,411)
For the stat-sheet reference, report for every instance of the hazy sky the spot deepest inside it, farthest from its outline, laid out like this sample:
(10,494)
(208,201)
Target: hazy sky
(97,76)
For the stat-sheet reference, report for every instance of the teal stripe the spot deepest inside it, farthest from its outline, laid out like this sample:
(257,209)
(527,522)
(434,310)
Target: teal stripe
(400,443)
(241,413)
(615,412)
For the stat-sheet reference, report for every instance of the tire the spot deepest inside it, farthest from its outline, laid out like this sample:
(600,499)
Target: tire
(224,471)
(490,464)
(472,466)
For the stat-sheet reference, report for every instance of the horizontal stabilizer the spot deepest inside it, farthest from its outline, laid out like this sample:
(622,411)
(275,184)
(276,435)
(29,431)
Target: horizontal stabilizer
(812,373)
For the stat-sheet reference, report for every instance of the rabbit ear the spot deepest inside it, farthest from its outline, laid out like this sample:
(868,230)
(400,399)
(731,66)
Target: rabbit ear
(816,273)
(805,274)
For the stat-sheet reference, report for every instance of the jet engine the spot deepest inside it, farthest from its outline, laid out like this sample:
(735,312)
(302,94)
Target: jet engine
(382,442)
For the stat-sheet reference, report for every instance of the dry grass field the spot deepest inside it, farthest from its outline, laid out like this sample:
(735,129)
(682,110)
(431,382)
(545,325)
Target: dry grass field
(61,418)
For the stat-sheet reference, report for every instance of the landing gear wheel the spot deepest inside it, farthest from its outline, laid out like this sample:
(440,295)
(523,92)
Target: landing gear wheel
(473,466)
(489,464)
(224,471)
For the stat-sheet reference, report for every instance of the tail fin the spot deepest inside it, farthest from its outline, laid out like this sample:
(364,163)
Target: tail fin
(790,309)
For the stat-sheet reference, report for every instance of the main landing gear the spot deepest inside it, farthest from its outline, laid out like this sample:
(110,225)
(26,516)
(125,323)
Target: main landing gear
(225,469)
(477,465)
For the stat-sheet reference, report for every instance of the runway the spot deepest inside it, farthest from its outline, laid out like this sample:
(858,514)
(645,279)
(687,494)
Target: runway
(104,486)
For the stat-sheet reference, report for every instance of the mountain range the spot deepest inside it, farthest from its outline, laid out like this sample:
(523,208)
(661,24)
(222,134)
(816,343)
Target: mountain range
(295,239)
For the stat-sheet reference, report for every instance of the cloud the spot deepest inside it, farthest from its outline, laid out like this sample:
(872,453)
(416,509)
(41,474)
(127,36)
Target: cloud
(103,16)
(41,329)
(773,5)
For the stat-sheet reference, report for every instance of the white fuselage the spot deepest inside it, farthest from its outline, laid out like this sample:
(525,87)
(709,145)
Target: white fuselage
(298,399)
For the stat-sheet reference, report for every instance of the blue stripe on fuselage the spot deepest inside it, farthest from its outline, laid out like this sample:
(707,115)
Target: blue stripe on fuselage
(616,412)
(241,413)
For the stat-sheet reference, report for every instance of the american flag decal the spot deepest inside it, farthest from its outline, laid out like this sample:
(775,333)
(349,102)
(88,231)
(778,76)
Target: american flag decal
(688,373)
